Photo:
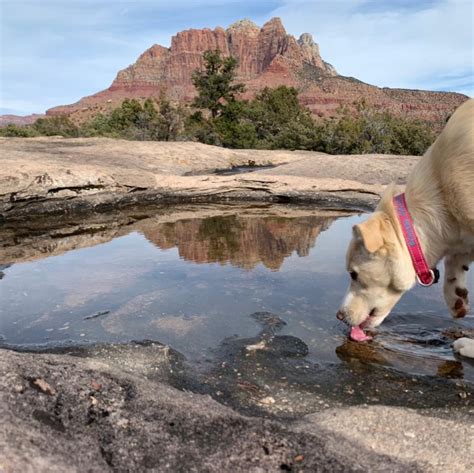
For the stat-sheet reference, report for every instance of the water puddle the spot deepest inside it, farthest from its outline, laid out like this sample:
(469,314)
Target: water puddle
(234,170)
(247,294)
(242,169)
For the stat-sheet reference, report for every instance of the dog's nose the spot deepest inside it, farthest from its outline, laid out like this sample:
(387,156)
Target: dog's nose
(340,315)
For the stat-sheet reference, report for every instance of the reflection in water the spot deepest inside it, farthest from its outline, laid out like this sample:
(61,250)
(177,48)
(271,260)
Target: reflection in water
(272,372)
(243,236)
(405,361)
(139,272)
(242,241)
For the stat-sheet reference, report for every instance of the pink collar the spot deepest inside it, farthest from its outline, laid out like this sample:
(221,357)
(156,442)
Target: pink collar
(424,275)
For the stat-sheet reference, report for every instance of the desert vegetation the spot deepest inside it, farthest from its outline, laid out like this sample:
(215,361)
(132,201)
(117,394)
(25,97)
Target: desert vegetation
(273,119)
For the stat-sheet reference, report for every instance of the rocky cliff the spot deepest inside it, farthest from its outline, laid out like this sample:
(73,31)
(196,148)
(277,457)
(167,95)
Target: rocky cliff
(267,56)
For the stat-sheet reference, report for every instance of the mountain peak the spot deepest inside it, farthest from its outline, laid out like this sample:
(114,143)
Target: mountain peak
(266,57)
(245,24)
(275,22)
(306,39)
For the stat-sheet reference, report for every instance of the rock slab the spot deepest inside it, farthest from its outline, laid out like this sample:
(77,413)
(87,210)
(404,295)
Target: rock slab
(40,176)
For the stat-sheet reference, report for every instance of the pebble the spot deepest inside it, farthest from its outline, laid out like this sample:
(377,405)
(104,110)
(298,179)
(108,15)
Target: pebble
(267,400)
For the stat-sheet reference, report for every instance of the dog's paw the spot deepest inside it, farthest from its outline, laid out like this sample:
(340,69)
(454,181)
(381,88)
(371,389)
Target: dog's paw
(464,346)
(458,301)
(455,292)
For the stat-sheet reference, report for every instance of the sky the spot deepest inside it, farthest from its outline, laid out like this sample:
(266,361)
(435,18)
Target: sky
(53,52)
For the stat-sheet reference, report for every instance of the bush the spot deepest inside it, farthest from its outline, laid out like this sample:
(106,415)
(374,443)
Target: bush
(136,121)
(56,125)
(372,131)
(12,131)
(274,119)
(281,121)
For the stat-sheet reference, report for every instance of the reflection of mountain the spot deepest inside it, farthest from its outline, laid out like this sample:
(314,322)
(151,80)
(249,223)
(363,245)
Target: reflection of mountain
(243,236)
(241,241)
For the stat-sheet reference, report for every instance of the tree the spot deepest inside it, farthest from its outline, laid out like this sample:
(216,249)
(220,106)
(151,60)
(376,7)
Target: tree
(280,120)
(214,83)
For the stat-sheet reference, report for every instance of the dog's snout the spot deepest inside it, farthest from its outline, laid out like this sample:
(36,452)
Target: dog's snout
(340,315)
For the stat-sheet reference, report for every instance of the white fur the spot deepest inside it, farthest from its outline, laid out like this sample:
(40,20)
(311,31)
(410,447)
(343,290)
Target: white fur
(440,199)
(464,346)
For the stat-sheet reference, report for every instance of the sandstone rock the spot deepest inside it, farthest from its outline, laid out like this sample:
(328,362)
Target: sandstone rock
(138,422)
(41,176)
(267,56)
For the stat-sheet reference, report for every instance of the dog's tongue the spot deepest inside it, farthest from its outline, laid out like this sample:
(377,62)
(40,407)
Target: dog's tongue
(358,335)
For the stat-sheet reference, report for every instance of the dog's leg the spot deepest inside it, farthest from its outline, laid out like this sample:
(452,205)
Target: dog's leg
(455,291)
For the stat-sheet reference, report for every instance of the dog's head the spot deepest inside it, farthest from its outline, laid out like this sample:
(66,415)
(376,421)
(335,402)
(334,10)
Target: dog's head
(380,271)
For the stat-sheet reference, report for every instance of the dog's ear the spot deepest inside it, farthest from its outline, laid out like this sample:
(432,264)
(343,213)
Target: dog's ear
(370,233)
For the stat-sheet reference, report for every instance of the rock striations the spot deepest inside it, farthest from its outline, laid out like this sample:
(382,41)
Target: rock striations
(267,56)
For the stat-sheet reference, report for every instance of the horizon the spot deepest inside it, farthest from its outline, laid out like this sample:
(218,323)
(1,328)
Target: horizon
(47,60)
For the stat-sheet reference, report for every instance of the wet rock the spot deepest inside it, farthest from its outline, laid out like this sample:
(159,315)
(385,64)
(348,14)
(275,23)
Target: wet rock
(135,424)
(287,346)
(269,322)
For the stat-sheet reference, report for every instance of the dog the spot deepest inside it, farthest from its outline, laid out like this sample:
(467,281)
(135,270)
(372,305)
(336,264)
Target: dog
(408,234)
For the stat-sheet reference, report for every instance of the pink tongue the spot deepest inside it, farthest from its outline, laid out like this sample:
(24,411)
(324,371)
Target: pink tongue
(358,335)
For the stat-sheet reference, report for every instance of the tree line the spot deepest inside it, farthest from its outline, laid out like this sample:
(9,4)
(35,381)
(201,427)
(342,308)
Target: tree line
(273,119)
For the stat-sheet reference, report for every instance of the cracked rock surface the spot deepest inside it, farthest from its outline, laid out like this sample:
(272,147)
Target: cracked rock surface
(52,175)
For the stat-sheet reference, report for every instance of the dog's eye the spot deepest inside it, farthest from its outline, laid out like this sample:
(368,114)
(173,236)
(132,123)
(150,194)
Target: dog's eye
(353,275)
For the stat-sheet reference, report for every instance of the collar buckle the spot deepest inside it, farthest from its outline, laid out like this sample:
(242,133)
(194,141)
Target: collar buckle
(427,284)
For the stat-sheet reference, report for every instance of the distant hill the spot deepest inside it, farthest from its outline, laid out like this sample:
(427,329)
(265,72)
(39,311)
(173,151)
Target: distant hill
(19,120)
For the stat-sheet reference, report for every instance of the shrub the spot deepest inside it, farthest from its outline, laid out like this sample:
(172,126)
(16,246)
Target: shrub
(371,131)
(136,121)
(12,131)
(274,119)
(56,125)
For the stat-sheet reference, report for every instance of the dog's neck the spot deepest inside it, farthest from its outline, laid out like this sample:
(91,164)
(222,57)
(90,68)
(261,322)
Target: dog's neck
(432,221)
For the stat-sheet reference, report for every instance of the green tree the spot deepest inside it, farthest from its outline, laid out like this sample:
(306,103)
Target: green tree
(280,120)
(215,83)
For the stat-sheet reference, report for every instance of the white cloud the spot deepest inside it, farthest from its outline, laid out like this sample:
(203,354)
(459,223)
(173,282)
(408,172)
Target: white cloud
(417,44)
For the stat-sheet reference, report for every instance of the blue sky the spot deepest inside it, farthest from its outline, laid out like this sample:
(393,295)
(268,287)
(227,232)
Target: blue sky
(56,51)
